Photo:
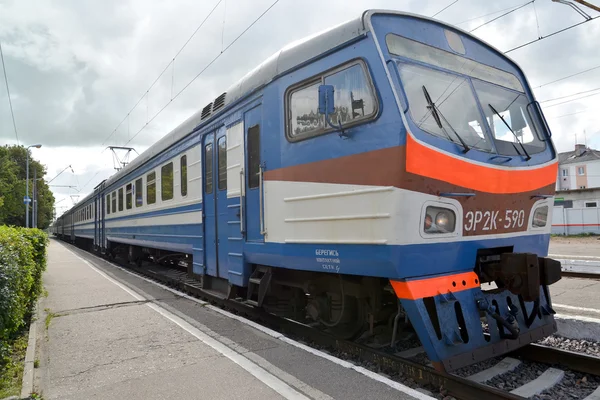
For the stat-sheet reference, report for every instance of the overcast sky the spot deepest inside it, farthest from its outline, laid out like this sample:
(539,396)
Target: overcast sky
(76,67)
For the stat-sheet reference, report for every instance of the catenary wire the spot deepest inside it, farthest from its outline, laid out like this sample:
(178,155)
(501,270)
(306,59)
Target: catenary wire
(204,69)
(12,113)
(164,70)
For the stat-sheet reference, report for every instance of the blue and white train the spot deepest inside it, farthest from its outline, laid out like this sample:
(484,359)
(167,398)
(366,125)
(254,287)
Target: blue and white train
(391,169)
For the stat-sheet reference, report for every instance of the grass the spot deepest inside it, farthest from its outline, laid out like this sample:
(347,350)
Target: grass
(576,235)
(11,372)
(49,316)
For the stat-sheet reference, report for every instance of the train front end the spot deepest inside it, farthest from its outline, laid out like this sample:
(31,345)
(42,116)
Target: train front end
(480,174)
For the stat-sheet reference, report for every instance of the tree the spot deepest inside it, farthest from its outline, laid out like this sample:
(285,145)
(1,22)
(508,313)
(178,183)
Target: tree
(13,172)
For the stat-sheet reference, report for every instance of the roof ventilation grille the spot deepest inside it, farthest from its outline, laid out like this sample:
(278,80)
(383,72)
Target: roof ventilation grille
(219,102)
(206,111)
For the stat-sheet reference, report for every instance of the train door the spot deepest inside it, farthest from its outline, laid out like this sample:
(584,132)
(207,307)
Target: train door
(96,221)
(220,167)
(254,214)
(208,206)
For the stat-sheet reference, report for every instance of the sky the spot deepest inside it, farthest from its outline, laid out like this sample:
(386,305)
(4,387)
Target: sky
(76,68)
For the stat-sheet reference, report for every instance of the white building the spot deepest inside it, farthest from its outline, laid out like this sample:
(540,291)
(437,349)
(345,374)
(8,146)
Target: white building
(577,191)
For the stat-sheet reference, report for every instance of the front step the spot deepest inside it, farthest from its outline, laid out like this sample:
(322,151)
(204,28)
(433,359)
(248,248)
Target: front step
(259,284)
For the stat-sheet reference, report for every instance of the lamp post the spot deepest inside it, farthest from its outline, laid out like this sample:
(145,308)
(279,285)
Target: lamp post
(37,146)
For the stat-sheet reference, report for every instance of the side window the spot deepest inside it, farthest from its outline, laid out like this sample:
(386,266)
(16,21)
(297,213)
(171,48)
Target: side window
(208,167)
(114,202)
(120,199)
(128,196)
(183,169)
(139,192)
(253,156)
(166,182)
(222,147)
(108,204)
(151,188)
(355,101)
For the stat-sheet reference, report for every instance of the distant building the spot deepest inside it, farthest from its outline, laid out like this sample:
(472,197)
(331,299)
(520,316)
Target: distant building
(578,183)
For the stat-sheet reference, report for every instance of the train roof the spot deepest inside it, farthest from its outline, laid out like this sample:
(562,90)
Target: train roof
(290,56)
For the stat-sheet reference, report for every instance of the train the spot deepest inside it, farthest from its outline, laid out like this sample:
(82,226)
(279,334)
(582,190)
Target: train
(392,173)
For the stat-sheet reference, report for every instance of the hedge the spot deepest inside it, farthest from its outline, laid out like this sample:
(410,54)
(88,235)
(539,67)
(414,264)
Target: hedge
(22,262)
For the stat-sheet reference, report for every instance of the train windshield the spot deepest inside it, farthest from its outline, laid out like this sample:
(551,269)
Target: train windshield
(472,104)
(452,98)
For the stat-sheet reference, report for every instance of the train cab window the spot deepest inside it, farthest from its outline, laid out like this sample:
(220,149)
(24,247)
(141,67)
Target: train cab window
(128,196)
(166,182)
(222,158)
(253,156)
(208,168)
(107,204)
(151,188)
(355,101)
(183,176)
(139,192)
(120,199)
(114,202)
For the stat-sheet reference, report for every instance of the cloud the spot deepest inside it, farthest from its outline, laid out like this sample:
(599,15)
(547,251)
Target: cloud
(77,68)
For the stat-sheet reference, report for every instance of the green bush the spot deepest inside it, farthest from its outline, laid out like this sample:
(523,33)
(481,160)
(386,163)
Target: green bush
(22,262)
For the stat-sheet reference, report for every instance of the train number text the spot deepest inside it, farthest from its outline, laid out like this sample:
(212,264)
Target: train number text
(492,220)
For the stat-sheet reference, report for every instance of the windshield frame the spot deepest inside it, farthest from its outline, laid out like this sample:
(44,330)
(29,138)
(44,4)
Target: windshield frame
(536,119)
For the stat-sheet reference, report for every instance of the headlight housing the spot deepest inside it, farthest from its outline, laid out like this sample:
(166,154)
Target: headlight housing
(540,217)
(439,220)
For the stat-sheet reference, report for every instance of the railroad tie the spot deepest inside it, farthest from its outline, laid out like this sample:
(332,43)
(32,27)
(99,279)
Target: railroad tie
(549,378)
(595,395)
(507,364)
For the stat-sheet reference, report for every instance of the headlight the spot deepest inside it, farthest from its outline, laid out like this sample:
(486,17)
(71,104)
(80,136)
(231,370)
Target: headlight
(540,216)
(439,220)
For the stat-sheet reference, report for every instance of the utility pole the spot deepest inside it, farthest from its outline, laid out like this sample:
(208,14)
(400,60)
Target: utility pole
(34,219)
(585,3)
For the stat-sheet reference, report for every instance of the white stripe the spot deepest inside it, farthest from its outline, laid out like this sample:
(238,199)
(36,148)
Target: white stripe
(564,256)
(578,318)
(192,217)
(268,379)
(277,335)
(567,307)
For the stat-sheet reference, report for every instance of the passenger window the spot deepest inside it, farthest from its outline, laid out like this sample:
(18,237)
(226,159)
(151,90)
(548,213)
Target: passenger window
(222,143)
(114,202)
(151,188)
(208,167)
(253,156)
(183,177)
(107,204)
(166,182)
(128,196)
(120,199)
(139,192)
(354,101)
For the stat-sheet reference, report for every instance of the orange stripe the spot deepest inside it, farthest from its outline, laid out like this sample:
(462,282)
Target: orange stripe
(421,288)
(422,160)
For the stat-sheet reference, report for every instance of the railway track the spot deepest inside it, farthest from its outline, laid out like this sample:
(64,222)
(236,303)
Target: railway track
(551,364)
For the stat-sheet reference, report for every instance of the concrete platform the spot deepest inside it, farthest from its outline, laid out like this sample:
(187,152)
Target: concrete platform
(576,300)
(111,335)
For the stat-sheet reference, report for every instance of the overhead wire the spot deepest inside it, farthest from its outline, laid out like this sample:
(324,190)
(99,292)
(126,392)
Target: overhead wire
(570,95)
(487,15)
(12,113)
(552,34)
(568,101)
(567,77)
(503,15)
(164,70)
(204,69)
(444,9)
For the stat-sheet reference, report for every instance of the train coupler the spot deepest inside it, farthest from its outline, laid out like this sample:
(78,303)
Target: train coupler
(520,273)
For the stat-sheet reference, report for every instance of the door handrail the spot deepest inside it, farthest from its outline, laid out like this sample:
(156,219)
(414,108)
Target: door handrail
(263,231)
(242,201)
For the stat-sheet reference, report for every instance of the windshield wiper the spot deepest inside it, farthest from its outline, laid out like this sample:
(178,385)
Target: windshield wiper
(528,157)
(436,115)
